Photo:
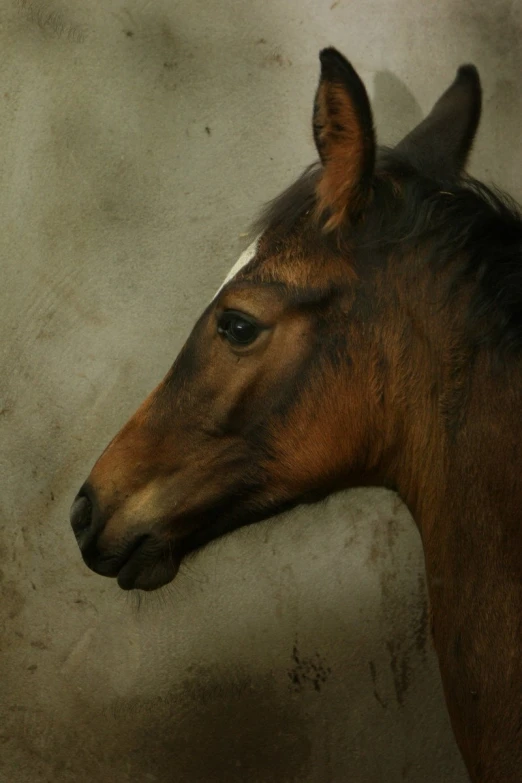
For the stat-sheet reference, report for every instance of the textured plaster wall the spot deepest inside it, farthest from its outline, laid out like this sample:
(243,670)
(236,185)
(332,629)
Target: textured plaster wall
(138,139)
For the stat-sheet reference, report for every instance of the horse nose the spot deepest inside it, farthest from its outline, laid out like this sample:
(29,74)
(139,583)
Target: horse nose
(85,521)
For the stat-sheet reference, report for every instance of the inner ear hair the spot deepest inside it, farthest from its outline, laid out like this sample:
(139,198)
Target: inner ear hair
(345,141)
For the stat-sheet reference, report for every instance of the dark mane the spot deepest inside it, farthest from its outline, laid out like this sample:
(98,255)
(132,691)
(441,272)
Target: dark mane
(459,219)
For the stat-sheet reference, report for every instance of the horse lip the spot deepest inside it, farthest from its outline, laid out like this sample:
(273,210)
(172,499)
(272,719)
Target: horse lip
(110,564)
(147,568)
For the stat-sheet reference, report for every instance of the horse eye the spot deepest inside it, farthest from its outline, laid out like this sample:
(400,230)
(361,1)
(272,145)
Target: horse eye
(237,329)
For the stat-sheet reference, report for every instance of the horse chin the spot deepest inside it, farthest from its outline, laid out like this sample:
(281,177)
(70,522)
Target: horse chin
(151,564)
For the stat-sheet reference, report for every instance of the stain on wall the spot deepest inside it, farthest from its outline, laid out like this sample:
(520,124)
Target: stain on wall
(308,671)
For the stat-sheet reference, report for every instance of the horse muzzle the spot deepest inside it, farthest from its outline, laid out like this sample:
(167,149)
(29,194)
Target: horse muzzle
(140,560)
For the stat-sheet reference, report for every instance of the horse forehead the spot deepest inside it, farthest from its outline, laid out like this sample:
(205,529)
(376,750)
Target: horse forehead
(290,265)
(245,258)
(295,264)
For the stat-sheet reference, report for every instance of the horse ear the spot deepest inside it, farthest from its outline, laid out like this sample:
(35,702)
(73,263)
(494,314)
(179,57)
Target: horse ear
(345,141)
(440,145)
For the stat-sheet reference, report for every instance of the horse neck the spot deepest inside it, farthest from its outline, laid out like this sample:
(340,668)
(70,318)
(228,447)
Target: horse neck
(466,498)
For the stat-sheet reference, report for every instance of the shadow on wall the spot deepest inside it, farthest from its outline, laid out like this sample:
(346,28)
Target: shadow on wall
(494,31)
(492,36)
(306,718)
(218,725)
(395,108)
(226,728)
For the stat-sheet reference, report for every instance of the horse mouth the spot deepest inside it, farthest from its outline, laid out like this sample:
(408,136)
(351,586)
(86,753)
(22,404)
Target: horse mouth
(145,563)
(150,561)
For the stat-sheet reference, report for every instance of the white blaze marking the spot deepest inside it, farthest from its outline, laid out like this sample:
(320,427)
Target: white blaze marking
(246,256)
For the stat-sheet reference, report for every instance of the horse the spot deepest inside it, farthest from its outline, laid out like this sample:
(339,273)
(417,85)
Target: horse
(371,334)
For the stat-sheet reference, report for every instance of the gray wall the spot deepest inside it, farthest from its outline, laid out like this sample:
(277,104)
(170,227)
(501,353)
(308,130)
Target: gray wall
(138,139)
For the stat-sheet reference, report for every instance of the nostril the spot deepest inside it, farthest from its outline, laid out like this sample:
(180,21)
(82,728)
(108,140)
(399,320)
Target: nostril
(81,515)
(86,520)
